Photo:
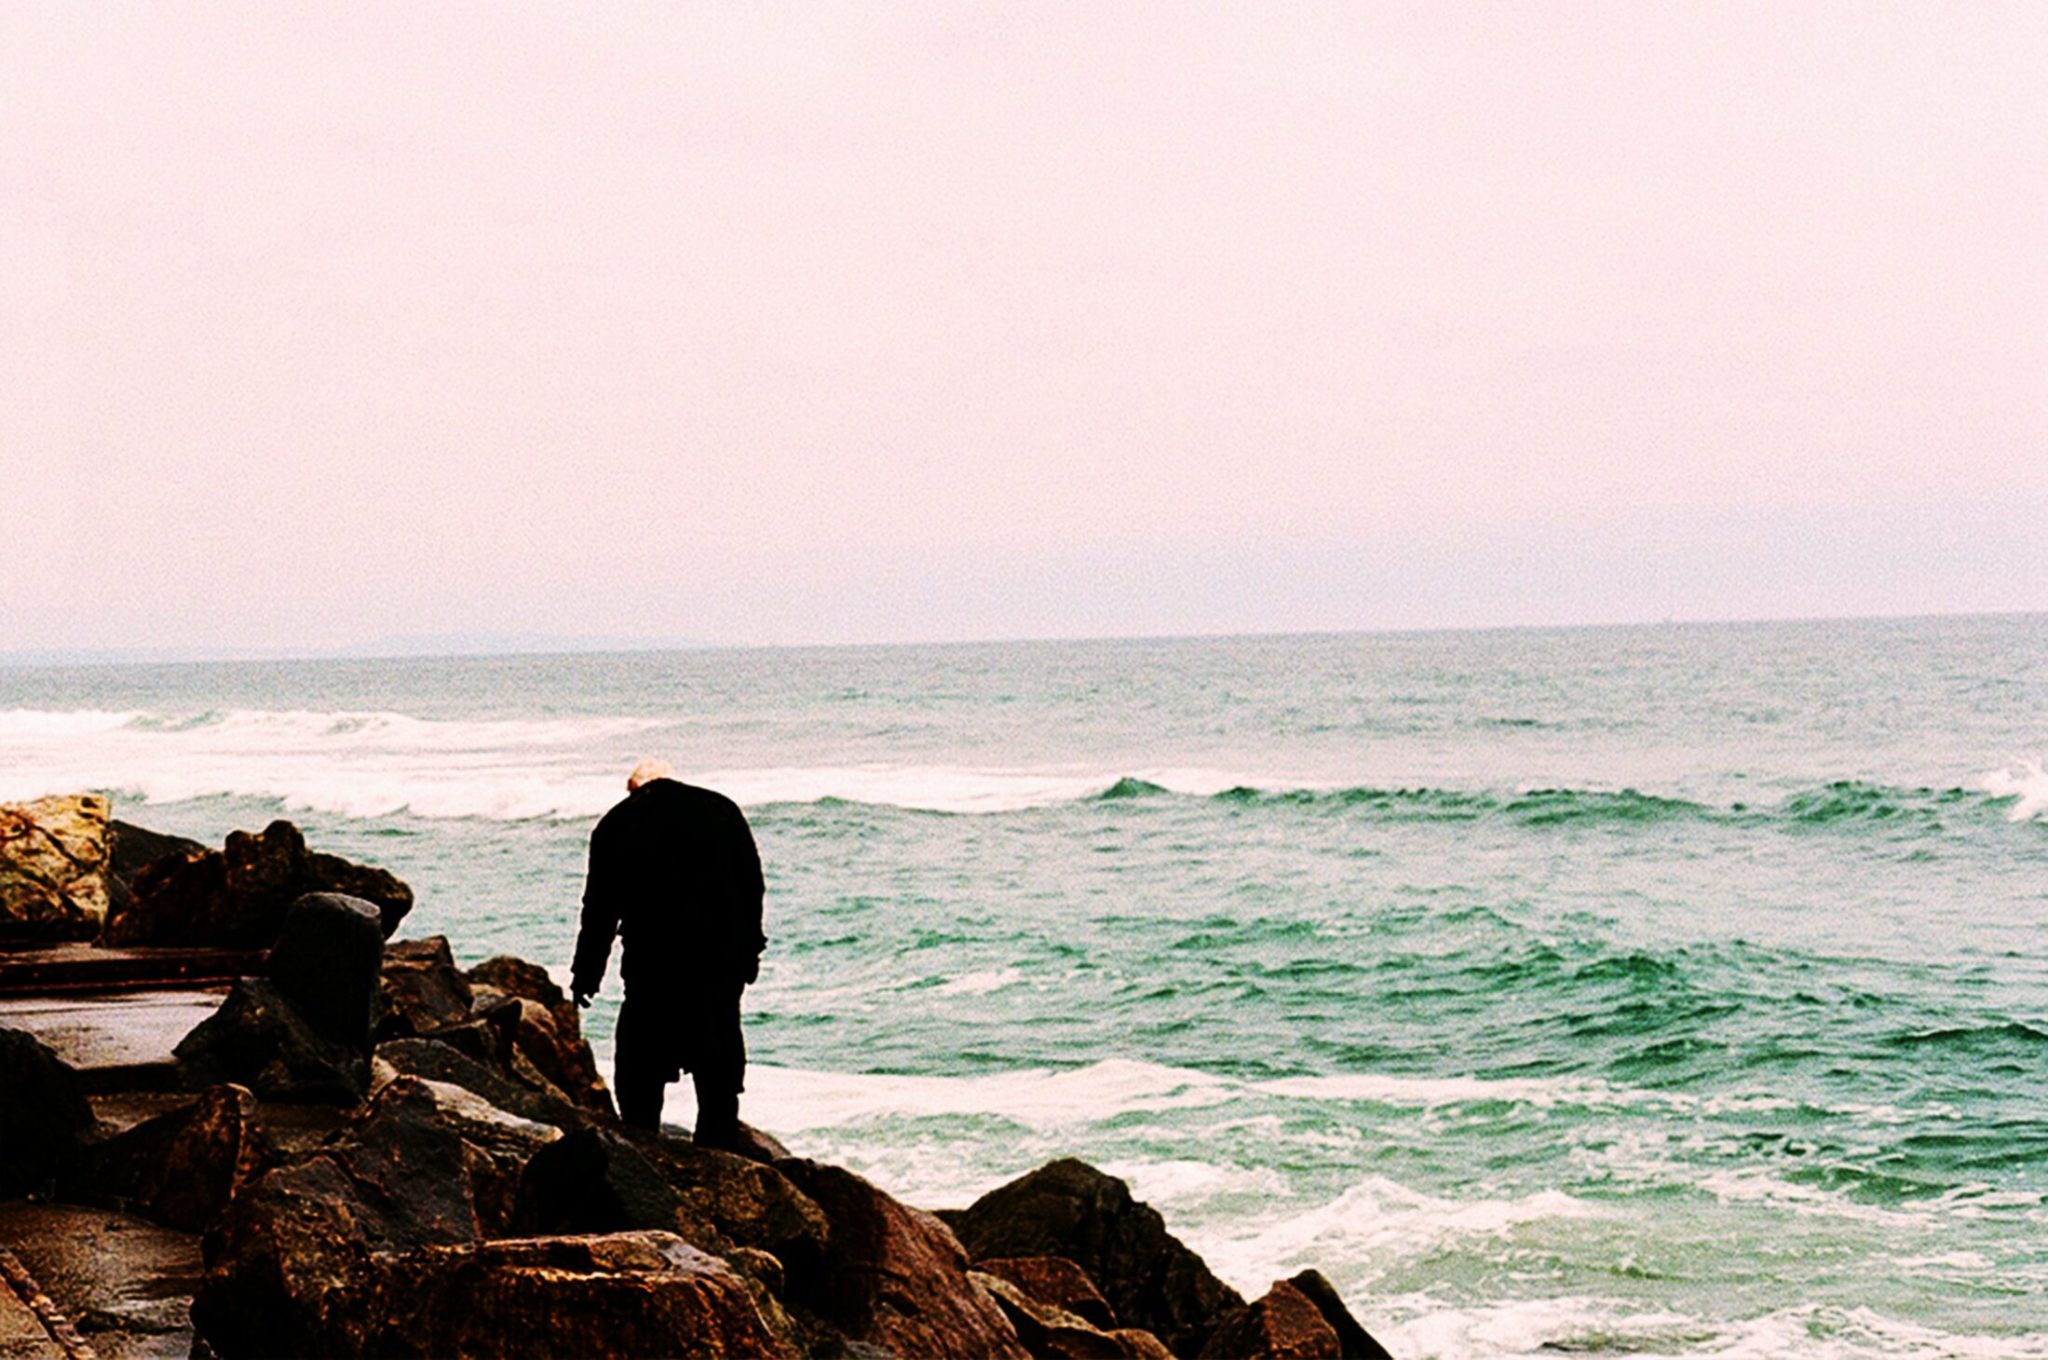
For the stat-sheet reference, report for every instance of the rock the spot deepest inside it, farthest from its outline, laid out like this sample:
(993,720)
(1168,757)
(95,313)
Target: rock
(757,1145)
(182,1168)
(894,1276)
(327,963)
(553,1039)
(1353,1341)
(1054,1280)
(1049,1332)
(421,989)
(1284,1325)
(496,1149)
(44,1117)
(631,1294)
(53,861)
(1068,1208)
(436,1060)
(259,1040)
(614,1180)
(130,850)
(238,896)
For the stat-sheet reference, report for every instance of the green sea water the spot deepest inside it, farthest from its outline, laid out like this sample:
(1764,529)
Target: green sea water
(1677,990)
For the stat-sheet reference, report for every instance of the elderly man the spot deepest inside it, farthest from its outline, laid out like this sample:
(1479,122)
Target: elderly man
(674,872)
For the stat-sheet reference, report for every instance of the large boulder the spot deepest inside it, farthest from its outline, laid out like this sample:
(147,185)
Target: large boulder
(614,1180)
(496,1148)
(327,960)
(130,850)
(1353,1341)
(469,1056)
(1068,1208)
(1283,1325)
(237,896)
(1050,1332)
(631,1294)
(183,1167)
(259,1040)
(1054,1280)
(550,1030)
(302,1034)
(53,861)
(422,990)
(44,1118)
(894,1276)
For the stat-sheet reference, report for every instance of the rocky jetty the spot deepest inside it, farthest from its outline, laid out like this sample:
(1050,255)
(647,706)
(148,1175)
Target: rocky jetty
(378,1153)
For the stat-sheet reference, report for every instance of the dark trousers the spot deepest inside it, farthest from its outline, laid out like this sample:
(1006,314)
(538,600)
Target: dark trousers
(684,1026)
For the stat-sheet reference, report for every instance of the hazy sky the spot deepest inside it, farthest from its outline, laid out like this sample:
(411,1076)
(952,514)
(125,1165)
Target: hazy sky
(879,322)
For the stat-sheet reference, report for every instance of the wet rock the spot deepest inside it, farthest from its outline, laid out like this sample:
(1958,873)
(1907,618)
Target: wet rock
(439,1059)
(1049,1332)
(130,850)
(1054,1280)
(1068,1208)
(1353,1341)
(44,1117)
(53,861)
(327,963)
(258,1039)
(496,1148)
(594,1181)
(1283,1325)
(550,1030)
(894,1276)
(182,1168)
(757,1145)
(421,989)
(237,896)
(405,1157)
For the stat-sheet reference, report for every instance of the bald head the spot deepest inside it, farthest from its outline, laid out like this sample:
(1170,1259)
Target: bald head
(647,771)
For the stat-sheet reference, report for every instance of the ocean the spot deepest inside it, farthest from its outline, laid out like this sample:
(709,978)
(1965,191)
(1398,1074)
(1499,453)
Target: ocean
(1676,990)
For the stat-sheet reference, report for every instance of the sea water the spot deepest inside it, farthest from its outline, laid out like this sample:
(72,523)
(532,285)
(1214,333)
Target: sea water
(1679,990)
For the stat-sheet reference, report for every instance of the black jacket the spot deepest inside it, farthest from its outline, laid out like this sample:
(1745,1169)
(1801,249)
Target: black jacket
(674,871)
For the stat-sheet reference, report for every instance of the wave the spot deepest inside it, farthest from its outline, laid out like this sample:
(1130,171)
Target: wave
(2023,781)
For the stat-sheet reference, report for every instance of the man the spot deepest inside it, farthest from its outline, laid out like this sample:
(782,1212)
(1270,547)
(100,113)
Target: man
(674,872)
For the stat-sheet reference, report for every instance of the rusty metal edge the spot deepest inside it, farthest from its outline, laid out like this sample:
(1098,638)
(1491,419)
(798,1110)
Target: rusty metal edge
(66,1337)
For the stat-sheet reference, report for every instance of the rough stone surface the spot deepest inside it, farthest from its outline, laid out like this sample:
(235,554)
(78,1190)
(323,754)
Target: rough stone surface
(53,862)
(438,1060)
(895,1277)
(732,1201)
(237,896)
(181,1168)
(259,1040)
(1068,1208)
(44,1117)
(1054,1280)
(632,1294)
(421,989)
(553,1039)
(1047,1331)
(594,1181)
(327,962)
(1353,1341)
(130,850)
(1283,1325)
(496,1147)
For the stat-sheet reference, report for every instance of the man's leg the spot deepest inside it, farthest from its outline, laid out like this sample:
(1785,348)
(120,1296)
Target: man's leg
(719,1071)
(641,1078)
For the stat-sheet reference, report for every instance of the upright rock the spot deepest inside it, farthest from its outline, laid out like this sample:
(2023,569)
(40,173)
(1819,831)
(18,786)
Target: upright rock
(1353,1341)
(44,1118)
(303,1034)
(1283,1325)
(53,861)
(237,896)
(895,1277)
(1068,1208)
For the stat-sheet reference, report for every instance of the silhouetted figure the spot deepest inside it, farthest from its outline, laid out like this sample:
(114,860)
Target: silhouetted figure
(674,872)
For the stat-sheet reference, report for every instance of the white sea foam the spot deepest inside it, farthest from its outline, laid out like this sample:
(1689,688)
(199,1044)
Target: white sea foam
(2025,782)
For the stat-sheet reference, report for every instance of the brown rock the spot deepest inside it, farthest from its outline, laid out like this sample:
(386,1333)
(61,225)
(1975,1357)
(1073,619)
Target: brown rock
(421,989)
(53,861)
(630,1294)
(1353,1341)
(1054,1280)
(895,1277)
(1068,1208)
(555,1046)
(1284,1325)
(44,1117)
(259,1040)
(183,1167)
(131,849)
(1049,1332)
(237,896)
(440,1059)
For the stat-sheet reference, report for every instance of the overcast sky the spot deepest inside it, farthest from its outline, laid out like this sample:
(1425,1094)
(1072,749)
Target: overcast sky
(877,322)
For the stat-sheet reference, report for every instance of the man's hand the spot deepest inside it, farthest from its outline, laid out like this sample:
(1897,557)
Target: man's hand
(582,1001)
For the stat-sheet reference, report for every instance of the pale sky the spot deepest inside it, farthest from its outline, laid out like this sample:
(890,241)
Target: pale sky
(875,322)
